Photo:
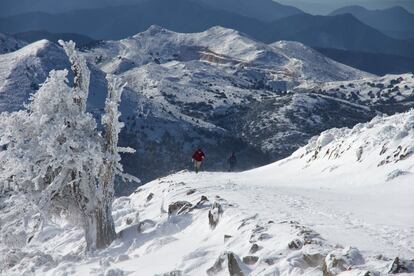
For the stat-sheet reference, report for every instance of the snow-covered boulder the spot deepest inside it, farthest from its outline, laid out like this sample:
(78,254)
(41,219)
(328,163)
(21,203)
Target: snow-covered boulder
(228,263)
(214,214)
(342,260)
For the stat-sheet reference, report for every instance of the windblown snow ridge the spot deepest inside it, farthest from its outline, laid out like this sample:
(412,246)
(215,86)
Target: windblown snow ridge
(380,150)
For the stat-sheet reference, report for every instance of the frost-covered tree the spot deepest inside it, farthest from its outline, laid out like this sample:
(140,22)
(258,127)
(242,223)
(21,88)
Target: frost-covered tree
(56,155)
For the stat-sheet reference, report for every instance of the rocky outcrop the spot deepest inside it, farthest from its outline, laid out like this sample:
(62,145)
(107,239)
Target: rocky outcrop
(174,273)
(179,207)
(341,260)
(200,204)
(295,244)
(250,260)
(254,248)
(214,214)
(149,197)
(230,263)
(401,266)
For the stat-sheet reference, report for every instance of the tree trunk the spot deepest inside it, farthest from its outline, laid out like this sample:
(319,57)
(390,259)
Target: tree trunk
(99,228)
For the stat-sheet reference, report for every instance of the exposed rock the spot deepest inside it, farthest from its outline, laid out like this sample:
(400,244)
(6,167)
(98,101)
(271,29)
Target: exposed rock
(264,236)
(341,260)
(230,263)
(145,224)
(122,258)
(396,173)
(308,236)
(114,272)
(314,259)
(245,221)
(270,260)
(174,273)
(295,244)
(179,207)
(401,266)
(214,214)
(149,197)
(227,237)
(254,248)
(200,203)
(258,229)
(258,235)
(250,260)
(138,190)
(191,191)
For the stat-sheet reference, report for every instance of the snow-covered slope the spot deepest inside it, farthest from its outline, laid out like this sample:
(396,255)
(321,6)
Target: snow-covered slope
(9,44)
(217,89)
(312,63)
(207,89)
(341,204)
(375,152)
(23,70)
(285,61)
(389,94)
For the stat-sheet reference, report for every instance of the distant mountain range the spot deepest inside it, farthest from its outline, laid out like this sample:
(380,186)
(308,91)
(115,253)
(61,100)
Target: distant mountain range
(395,22)
(343,32)
(264,10)
(260,9)
(218,88)
(325,7)
(379,64)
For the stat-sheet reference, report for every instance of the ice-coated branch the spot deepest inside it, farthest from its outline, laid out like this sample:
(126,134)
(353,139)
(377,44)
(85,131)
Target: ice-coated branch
(81,74)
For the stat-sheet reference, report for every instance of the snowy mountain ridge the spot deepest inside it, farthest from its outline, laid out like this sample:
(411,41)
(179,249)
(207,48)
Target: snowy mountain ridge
(379,151)
(22,71)
(218,89)
(220,45)
(201,82)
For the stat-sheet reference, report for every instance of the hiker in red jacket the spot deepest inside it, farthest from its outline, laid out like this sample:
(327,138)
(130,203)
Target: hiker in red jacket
(198,158)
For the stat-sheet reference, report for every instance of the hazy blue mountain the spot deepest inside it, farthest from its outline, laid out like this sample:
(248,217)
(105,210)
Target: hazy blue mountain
(13,7)
(379,64)
(120,22)
(324,7)
(267,10)
(32,36)
(343,32)
(396,22)
(260,9)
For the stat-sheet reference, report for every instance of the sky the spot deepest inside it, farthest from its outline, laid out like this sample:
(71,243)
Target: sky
(9,7)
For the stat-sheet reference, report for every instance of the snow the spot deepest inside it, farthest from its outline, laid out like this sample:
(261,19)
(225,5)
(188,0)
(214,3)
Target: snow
(218,88)
(225,47)
(343,201)
(308,209)
(22,71)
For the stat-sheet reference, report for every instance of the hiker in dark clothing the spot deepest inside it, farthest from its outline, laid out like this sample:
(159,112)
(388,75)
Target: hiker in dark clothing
(232,161)
(198,158)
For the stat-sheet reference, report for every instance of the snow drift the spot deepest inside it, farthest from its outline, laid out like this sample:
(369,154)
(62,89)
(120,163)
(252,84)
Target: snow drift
(338,205)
